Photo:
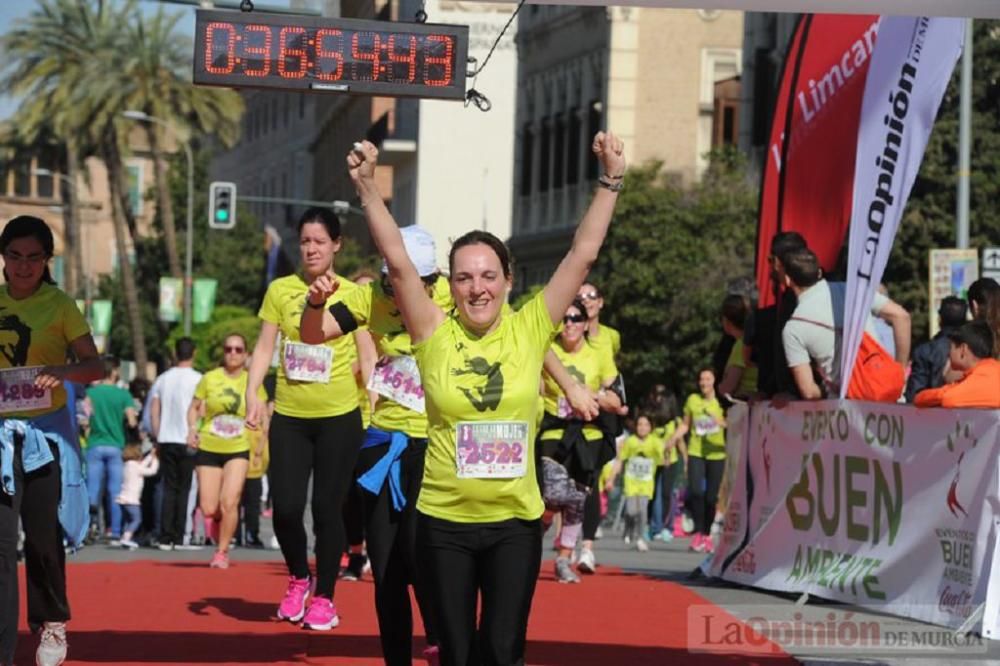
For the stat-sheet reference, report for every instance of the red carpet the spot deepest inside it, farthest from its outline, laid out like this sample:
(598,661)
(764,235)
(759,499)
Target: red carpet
(185,613)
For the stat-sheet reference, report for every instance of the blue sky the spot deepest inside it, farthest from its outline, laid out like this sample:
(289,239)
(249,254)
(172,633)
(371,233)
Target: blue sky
(11,10)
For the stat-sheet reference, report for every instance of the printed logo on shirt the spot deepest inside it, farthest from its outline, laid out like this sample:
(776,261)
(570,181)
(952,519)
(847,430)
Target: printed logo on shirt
(231,401)
(576,374)
(487,396)
(15,339)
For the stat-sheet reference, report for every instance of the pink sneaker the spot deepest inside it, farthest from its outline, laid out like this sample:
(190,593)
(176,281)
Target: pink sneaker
(698,543)
(293,606)
(708,544)
(321,616)
(219,561)
(433,655)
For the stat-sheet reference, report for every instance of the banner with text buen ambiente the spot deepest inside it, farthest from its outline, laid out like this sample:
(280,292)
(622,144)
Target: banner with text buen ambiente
(909,72)
(809,168)
(884,506)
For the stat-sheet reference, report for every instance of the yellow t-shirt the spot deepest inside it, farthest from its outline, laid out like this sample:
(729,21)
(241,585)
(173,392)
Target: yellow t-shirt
(283,305)
(748,382)
(640,458)
(608,338)
(258,470)
(592,366)
(371,307)
(708,438)
(221,429)
(664,432)
(488,379)
(37,330)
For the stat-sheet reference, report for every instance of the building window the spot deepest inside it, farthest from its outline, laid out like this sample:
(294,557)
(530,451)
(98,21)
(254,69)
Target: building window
(133,181)
(559,159)
(288,109)
(573,148)
(725,123)
(22,179)
(545,158)
(527,158)
(595,118)
(302,106)
(248,126)
(274,114)
(265,121)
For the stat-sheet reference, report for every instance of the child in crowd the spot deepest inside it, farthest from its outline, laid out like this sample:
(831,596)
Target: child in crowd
(136,468)
(640,455)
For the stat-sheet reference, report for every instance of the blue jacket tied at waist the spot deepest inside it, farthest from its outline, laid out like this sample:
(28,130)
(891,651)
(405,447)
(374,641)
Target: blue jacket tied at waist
(388,465)
(36,432)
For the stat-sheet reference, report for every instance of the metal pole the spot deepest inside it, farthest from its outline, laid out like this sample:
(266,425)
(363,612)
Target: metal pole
(964,142)
(189,260)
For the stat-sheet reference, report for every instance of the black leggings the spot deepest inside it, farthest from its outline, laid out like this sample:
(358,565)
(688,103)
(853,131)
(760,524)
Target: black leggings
(500,562)
(326,448)
(591,515)
(392,548)
(704,478)
(37,503)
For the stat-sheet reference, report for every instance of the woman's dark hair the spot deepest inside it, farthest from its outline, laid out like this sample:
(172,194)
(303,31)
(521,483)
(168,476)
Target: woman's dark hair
(735,309)
(28,226)
(478,237)
(323,216)
(985,293)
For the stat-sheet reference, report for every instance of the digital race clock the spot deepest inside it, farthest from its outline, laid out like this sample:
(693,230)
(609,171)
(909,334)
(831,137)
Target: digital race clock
(238,49)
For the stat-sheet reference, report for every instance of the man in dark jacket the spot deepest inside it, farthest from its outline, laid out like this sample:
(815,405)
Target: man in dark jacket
(929,359)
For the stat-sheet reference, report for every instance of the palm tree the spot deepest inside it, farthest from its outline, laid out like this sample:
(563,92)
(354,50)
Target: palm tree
(60,58)
(157,79)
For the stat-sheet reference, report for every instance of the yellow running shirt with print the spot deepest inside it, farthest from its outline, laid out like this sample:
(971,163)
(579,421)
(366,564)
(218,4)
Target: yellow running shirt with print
(283,305)
(664,432)
(710,446)
(492,378)
(591,366)
(636,450)
(222,396)
(38,330)
(371,307)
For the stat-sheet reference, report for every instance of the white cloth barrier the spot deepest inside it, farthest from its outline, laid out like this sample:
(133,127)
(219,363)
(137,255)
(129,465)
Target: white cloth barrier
(888,507)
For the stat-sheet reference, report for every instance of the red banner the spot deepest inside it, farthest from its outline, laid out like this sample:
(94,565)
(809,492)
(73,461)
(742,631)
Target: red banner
(808,180)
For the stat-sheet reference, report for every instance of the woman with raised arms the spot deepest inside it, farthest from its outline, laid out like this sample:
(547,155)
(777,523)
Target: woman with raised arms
(479,509)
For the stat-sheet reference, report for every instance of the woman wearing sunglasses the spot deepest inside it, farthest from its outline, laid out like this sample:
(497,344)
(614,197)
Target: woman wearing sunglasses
(571,450)
(479,509)
(223,444)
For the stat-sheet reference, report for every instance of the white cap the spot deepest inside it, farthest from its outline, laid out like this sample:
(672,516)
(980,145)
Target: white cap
(420,247)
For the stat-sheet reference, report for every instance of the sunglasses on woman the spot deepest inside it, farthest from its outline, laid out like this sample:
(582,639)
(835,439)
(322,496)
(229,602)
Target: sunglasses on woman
(575,319)
(233,350)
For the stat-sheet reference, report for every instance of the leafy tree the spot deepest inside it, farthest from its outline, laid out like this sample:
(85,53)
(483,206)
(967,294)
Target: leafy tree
(929,219)
(665,265)
(208,337)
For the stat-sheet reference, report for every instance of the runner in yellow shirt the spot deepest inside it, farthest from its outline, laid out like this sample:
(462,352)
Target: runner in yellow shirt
(391,464)
(223,445)
(573,451)
(639,457)
(316,427)
(479,506)
(40,327)
(705,420)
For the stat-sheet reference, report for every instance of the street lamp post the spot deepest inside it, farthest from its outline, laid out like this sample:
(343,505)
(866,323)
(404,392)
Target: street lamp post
(83,270)
(189,259)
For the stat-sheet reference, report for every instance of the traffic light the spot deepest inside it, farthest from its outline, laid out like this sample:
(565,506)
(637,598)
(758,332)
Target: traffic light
(222,205)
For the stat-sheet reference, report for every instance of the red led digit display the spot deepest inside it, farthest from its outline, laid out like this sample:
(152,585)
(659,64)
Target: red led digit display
(340,55)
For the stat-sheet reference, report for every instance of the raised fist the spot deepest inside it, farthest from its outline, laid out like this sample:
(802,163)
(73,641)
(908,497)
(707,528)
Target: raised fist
(611,152)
